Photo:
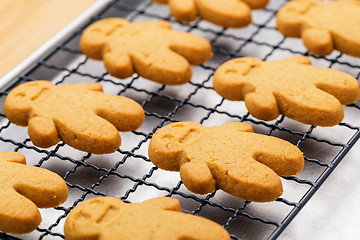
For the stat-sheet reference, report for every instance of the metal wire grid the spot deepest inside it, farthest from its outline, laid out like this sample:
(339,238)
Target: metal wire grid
(129,174)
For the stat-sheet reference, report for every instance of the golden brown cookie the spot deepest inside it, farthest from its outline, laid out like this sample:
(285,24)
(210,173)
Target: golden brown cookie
(151,49)
(323,26)
(81,115)
(159,218)
(226,13)
(230,157)
(292,87)
(24,189)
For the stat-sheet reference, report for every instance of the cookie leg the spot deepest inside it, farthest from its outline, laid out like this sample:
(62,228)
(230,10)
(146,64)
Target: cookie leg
(262,106)
(184,11)
(197,177)
(322,109)
(42,132)
(118,65)
(249,180)
(165,66)
(318,41)
(92,133)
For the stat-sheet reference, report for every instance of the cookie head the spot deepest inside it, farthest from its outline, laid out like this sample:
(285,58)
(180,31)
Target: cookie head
(95,37)
(171,141)
(158,218)
(230,157)
(290,18)
(21,101)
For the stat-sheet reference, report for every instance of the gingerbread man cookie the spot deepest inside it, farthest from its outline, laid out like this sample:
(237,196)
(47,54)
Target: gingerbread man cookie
(230,157)
(323,26)
(24,189)
(81,115)
(151,49)
(292,87)
(158,218)
(226,13)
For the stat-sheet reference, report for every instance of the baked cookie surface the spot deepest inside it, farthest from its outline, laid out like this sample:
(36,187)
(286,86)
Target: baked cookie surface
(292,87)
(230,157)
(159,218)
(24,189)
(323,26)
(81,115)
(151,49)
(226,13)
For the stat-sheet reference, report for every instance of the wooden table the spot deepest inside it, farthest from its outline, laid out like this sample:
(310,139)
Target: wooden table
(27,24)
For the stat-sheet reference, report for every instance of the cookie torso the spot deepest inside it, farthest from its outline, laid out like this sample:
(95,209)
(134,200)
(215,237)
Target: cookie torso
(81,115)
(151,49)
(292,87)
(230,157)
(323,26)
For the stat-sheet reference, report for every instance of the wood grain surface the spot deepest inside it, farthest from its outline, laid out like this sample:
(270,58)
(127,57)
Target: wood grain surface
(27,24)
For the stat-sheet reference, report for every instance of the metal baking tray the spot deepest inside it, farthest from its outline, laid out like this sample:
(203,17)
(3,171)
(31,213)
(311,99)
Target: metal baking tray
(128,173)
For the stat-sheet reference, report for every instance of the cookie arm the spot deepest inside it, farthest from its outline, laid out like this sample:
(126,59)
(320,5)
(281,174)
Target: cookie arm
(317,41)
(14,157)
(341,85)
(248,180)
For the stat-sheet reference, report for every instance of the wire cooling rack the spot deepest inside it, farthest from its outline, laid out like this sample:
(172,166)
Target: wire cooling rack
(128,173)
